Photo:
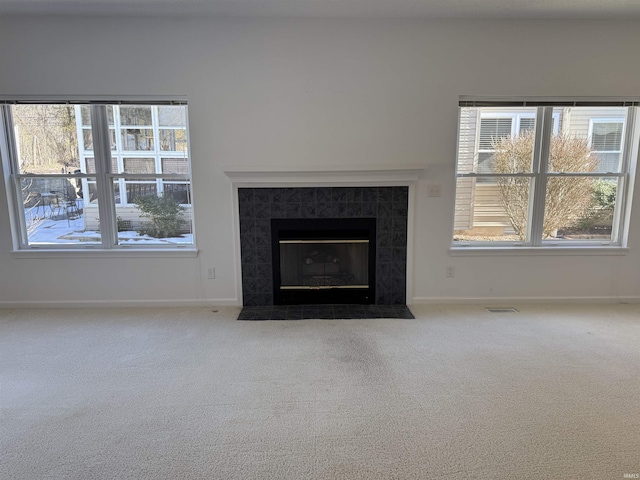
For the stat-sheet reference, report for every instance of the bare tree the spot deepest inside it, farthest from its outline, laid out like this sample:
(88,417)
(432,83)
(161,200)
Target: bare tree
(567,200)
(47,137)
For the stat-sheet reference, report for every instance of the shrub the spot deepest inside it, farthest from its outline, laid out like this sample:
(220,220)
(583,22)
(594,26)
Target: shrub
(164,214)
(568,199)
(604,203)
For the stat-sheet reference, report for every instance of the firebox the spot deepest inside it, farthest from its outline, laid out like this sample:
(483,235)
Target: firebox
(323,260)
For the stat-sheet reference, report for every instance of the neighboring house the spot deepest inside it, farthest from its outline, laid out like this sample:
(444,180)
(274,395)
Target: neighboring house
(478,207)
(144,140)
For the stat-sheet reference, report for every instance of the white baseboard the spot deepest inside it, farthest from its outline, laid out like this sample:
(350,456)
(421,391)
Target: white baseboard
(520,300)
(217,302)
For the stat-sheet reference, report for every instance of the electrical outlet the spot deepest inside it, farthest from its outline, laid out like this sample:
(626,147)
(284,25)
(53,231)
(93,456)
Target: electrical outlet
(434,190)
(211,273)
(451,272)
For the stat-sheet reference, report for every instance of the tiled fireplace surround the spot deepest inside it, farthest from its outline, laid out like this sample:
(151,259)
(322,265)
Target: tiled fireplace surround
(387,204)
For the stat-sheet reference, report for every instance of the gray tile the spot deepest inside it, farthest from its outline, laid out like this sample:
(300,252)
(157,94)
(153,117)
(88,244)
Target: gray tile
(292,195)
(399,209)
(245,195)
(262,210)
(354,210)
(278,210)
(339,210)
(262,196)
(278,195)
(245,210)
(385,194)
(354,195)
(293,210)
(369,209)
(385,209)
(308,210)
(308,195)
(400,194)
(324,210)
(370,194)
(323,195)
(384,224)
(339,194)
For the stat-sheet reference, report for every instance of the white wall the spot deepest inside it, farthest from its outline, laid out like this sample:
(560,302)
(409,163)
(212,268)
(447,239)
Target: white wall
(317,92)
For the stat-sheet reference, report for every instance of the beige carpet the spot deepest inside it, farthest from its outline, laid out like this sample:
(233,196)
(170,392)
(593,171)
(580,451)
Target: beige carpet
(552,392)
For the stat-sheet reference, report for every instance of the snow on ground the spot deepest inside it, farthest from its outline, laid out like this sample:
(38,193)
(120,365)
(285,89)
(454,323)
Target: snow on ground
(59,230)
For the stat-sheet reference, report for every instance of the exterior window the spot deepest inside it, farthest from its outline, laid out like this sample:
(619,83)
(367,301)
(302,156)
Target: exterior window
(541,176)
(99,175)
(606,143)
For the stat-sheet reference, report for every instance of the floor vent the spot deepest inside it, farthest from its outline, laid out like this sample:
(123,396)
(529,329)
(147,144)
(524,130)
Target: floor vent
(502,310)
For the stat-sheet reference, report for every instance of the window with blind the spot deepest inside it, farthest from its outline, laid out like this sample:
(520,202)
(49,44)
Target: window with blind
(109,175)
(543,175)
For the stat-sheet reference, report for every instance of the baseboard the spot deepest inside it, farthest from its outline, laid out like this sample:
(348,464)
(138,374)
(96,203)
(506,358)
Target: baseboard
(218,302)
(520,300)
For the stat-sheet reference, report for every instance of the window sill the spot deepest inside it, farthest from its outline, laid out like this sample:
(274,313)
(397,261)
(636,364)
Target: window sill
(102,253)
(477,251)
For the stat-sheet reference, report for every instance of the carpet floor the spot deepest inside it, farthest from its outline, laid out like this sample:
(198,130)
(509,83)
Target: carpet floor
(550,392)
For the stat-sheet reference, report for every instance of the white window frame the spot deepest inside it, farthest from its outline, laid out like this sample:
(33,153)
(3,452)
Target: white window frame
(539,177)
(104,178)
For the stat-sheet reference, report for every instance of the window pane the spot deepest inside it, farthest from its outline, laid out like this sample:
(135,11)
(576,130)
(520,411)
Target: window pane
(496,211)
(580,208)
(178,191)
(137,139)
(140,189)
(172,116)
(139,165)
(590,140)
(175,165)
(85,112)
(155,220)
(90,164)
(496,140)
(47,138)
(87,139)
(135,116)
(55,212)
(173,140)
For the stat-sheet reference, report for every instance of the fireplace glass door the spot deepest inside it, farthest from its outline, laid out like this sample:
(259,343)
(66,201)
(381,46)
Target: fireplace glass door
(324,264)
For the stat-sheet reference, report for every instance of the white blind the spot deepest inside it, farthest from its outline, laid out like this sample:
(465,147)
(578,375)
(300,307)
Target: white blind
(527,124)
(492,129)
(607,137)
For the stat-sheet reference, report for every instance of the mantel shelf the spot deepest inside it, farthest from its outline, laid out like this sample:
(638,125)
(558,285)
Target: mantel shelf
(317,176)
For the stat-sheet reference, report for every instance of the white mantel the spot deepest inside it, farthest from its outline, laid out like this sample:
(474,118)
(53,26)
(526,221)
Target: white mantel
(281,176)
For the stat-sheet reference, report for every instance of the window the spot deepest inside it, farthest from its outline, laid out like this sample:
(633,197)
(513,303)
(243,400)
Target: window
(99,175)
(606,141)
(538,176)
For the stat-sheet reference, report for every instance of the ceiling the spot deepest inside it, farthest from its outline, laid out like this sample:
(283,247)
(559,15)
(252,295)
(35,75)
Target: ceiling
(505,9)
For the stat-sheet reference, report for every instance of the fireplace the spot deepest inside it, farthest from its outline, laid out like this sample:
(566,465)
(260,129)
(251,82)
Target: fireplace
(323,261)
(260,208)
